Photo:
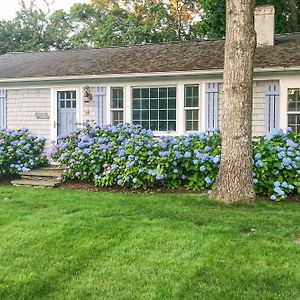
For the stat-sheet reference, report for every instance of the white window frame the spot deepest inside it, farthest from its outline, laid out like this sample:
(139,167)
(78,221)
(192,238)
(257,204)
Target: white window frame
(192,108)
(112,110)
(292,112)
(167,85)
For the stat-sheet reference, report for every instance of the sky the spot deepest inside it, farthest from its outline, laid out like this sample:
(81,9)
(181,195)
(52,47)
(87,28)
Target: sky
(8,8)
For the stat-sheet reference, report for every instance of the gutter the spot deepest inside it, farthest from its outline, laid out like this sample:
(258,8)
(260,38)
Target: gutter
(142,76)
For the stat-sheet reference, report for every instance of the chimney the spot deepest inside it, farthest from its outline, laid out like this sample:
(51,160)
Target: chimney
(265,25)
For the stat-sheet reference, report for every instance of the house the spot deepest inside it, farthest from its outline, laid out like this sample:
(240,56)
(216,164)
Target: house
(171,88)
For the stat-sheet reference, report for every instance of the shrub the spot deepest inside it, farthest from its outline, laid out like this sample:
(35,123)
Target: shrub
(128,155)
(20,151)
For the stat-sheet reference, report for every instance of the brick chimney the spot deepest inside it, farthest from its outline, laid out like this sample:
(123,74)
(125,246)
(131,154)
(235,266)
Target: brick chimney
(265,25)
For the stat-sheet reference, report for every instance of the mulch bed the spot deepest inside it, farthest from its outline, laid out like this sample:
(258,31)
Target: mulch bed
(7,180)
(87,186)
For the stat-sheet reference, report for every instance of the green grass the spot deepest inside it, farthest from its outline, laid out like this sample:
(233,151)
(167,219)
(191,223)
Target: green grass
(59,244)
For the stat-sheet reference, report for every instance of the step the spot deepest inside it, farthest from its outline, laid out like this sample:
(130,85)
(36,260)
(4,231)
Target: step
(52,173)
(52,167)
(39,183)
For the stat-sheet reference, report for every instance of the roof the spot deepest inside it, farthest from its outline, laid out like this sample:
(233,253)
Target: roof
(148,58)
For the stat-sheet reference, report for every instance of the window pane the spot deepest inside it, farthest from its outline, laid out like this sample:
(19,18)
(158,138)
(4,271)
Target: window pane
(115,104)
(172,115)
(145,93)
(154,115)
(172,103)
(117,97)
(74,103)
(117,117)
(294,100)
(163,93)
(189,125)
(145,124)
(68,104)
(154,126)
(163,103)
(136,94)
(136,115)
(172,92)
(294,122)
(136,104)
(189,114)
(172,126)
(145,114)
(191,96)
(145,103)
(153,93)
(163,126)
(163,115)
(153,103)
(191,120)
(62,104)
(195,126)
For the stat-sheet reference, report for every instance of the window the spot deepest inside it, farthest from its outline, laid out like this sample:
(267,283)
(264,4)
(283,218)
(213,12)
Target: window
(154,108)
(117,105)
(191,107)
(67,99)
(294,109)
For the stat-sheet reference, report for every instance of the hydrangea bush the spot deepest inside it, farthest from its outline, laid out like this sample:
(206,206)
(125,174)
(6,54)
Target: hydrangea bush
(20,151)
(130,156)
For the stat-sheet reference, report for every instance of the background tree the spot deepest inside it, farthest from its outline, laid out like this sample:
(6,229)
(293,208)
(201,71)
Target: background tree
(213,24)
(34,29)
(234,180)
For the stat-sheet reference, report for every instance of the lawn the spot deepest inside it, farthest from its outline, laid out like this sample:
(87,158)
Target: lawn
(60,244)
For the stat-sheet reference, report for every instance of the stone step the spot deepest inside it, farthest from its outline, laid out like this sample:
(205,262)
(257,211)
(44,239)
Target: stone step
(52,173)
(39,183)
(52,167)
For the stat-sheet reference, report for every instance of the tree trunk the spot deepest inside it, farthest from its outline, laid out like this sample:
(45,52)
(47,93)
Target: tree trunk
(234,180)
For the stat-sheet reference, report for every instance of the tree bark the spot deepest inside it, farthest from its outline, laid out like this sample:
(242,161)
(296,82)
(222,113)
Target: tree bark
(234,180)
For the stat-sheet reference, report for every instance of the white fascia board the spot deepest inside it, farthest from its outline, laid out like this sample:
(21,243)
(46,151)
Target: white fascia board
(216,72)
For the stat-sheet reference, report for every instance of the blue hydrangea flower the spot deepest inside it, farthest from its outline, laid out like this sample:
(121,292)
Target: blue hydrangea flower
(277,184)
(259,164)
(202,168)
(187,154)
(207,180)
(257,156)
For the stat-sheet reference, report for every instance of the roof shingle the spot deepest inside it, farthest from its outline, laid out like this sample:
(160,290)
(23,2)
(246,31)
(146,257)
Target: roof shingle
(149,58)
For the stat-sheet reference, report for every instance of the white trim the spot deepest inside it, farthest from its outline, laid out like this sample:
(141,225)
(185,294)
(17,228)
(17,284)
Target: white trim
(123,109)
(127,106)
(178,104)
(187,108)
(147,75)
(180,118)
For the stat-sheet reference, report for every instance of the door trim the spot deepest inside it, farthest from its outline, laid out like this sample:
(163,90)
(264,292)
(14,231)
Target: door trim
(54,108)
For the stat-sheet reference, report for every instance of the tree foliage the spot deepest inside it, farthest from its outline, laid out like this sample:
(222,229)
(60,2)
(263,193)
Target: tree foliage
(34,29)
(214,19)
(123,22)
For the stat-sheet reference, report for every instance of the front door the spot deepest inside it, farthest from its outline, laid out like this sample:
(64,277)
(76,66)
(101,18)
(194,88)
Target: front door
(66,112)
